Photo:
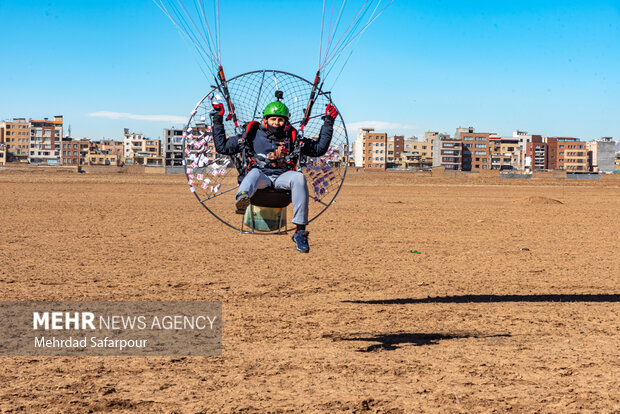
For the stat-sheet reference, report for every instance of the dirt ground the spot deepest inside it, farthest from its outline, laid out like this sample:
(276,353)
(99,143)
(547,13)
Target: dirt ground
(512,304)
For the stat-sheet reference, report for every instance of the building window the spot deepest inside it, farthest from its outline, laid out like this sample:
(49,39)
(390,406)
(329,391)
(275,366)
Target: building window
(481,139)
(467,138)
(482,146)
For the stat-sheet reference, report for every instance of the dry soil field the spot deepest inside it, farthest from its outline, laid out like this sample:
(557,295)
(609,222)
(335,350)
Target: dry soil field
(512,305)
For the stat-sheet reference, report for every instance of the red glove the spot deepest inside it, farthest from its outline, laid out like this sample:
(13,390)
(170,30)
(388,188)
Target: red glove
(331,111)
(219,108)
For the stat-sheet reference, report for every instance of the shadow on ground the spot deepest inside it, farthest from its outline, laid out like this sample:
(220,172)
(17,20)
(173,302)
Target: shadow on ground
(493,299)
(390,342)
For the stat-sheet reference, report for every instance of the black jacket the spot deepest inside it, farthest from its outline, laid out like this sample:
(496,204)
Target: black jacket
(263,143)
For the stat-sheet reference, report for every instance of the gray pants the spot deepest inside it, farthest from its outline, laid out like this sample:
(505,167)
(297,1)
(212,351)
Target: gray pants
(290,180)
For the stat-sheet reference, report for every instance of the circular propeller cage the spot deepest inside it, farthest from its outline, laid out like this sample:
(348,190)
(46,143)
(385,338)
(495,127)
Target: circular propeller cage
(212,177)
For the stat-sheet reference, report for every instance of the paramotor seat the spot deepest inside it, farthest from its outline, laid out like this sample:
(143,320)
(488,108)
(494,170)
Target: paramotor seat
(271,197)
(267,211)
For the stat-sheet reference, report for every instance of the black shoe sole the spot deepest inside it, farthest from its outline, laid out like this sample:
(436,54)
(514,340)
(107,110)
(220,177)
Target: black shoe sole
(242,204)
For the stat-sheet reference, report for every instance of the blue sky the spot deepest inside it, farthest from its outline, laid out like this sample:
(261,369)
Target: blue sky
(547,67)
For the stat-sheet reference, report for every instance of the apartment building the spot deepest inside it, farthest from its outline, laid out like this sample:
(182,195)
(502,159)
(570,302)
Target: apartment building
(3,153)
(503,152)
(102,157)
(112,147)
(16,135)
(395,149)
(136,144)
(370,149)
(601,154)
(536,153)
(69,154)
(417,154)
(566,153)
(74,151)
(450,153)
(409,142)
(45,141)
(173,147)
(521,160)
(475,146)
(104,152)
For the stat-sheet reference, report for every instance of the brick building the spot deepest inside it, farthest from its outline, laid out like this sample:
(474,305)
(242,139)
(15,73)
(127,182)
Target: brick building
(566,153)
(69,152)
(16,135)
(536,153)
(475,145)
(45,141)
(395,149)
(521,160)
(74,151)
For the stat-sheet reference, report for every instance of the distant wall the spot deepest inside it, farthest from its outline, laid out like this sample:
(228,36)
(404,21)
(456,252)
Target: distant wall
(127,169)
(175,170)
(583,176)
(514,175)
(469,174)
(549,174)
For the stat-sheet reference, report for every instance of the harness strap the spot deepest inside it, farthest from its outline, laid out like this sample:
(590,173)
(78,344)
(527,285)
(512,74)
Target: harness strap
(250,160)
(247,161)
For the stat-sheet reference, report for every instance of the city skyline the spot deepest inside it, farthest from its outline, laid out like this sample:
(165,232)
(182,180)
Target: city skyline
(549,68)
(377,126)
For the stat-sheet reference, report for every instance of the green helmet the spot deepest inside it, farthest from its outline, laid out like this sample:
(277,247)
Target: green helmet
(276,108)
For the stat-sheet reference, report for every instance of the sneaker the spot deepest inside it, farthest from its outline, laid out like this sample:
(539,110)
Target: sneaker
(301,241)
(242,203)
